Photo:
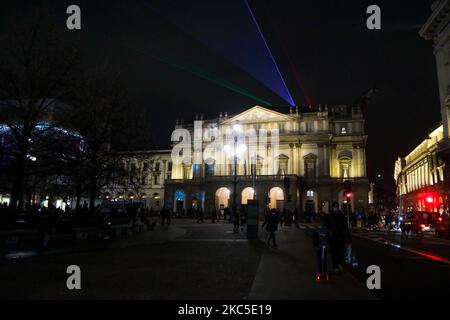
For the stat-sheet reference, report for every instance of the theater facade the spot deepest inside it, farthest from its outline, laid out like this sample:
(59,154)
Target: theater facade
(299,159)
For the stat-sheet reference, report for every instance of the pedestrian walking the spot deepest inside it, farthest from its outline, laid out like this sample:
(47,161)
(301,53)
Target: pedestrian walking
(200,216)
(338,236)
(272,226)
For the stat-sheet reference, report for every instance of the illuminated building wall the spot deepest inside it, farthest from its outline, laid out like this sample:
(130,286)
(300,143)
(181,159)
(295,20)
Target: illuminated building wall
(420,176)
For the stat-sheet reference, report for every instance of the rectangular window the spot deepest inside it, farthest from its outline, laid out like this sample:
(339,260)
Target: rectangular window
(169,167)
(310,169)
(157,166)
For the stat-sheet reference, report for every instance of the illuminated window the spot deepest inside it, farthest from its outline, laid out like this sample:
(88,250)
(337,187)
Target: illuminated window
(310,194)
(344,130)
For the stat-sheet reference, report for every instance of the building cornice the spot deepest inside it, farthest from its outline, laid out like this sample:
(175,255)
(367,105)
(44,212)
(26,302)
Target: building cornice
(441,13)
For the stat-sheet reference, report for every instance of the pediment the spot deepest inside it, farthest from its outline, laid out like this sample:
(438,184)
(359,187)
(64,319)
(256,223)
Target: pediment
(259,114)
(310,156)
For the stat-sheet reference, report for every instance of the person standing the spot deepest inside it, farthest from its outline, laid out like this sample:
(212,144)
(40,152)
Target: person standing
(163,217)
(213,216)
(272,226)
(236,219)
(168,214)
(338,236)
(296,217)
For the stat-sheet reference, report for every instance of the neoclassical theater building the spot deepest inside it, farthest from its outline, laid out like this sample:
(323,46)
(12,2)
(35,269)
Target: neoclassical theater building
(318,151)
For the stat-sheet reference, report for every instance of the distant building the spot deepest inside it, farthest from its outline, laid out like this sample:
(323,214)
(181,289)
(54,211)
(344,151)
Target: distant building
(318,151)
(148,172)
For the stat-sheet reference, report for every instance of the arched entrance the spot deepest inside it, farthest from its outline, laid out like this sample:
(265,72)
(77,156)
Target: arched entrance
(276,197)
(247,194)
(180,201)
(222,198)
(198,200)
(310,203)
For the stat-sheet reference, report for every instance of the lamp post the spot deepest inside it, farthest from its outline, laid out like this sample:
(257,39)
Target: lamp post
(236,131)
(235,182)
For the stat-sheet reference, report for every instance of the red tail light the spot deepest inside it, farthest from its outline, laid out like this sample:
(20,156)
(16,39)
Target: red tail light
(440,219)
(422,226)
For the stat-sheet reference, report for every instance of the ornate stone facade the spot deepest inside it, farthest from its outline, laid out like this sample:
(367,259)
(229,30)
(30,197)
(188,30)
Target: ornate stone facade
(318,150)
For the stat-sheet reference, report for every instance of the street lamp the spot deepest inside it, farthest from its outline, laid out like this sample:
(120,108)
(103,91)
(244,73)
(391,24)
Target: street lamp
(238,148)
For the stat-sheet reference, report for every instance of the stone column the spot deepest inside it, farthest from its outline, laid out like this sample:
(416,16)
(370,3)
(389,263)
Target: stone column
(291,165)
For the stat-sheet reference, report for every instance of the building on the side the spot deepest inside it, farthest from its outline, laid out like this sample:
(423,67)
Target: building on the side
(423,176)
(437,29)
(316,152)
(420,176)
(147,171)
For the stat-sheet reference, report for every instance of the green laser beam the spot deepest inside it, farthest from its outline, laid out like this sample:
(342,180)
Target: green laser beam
(197,71)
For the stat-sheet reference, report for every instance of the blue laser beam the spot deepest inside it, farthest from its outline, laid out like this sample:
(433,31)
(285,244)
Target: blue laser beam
(288,96)
(236,40)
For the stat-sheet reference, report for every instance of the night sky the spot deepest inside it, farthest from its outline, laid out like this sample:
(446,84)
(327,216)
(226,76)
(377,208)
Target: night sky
(178,57)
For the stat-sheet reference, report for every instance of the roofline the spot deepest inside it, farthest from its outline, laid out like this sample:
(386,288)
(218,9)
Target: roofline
(230,118)
(428,29)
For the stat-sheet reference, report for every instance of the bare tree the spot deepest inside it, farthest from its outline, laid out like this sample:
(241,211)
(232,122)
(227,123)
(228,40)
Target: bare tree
(36,74)
(99,113)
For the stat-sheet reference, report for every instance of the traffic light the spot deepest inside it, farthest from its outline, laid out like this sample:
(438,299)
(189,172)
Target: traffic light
(348,190)
(348,196)
(430,199)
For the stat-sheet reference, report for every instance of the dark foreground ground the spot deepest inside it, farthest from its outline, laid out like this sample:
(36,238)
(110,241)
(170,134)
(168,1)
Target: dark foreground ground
(191,261)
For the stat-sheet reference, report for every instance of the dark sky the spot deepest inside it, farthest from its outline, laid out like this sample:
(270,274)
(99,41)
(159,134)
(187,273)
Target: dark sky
(324,44)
